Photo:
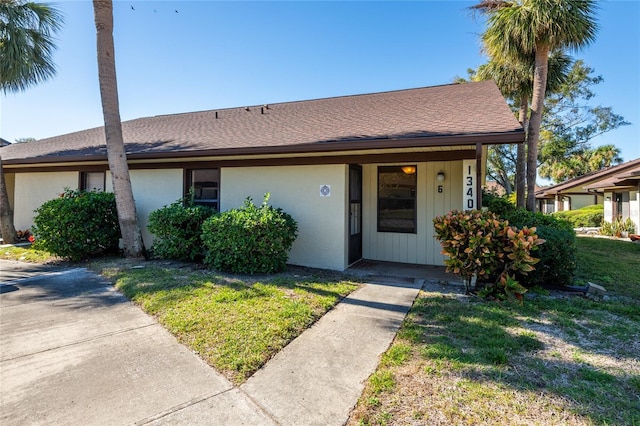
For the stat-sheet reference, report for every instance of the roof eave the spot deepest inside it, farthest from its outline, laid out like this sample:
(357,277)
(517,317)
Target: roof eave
(515,136)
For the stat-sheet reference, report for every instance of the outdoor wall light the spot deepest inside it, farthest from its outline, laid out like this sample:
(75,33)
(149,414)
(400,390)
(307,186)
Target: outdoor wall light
(440,177)
(409,170)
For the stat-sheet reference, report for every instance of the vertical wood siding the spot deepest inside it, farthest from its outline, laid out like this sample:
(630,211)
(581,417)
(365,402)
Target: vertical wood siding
(421,247)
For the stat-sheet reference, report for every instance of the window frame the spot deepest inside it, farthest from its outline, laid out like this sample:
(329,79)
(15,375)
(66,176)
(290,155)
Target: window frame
(83,180)
(414,198)
(211,202)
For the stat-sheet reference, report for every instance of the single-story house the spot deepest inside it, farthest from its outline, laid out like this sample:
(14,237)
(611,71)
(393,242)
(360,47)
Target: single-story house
(363,175)
(568,195)
(621,192)
(616,187)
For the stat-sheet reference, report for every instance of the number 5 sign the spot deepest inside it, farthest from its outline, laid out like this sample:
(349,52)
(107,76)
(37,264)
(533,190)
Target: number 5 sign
(469,184)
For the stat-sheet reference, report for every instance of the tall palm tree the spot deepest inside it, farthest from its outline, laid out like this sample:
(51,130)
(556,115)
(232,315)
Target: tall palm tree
(125,203)
(515,80)
(537,27)
(26,47)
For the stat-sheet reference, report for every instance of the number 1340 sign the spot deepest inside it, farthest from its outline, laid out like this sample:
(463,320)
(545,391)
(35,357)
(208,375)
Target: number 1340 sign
(469,184)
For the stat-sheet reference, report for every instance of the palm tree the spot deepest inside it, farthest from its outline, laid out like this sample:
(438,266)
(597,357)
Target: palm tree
(125,203)
(26,48)
(515,80)
(537,27)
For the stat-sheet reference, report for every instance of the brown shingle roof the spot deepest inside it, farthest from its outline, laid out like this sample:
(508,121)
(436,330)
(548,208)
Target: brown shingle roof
(628,177)
(414,117)
(591,180)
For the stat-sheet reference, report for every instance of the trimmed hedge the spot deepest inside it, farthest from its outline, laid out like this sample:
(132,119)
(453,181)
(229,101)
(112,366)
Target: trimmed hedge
(178,230)
(78,224)
(586,216)
(557,255)
(249,239)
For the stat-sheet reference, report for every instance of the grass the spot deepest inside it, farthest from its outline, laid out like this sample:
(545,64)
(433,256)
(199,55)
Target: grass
(27,254)
(607,261)
(558,359)
(234,324)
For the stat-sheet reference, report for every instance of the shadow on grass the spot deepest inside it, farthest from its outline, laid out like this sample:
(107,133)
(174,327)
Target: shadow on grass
(484,342)
(178,284)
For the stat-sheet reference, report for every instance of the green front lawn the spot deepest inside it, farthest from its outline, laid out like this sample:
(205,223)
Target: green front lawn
(235,324)
(27,254)
(558,359)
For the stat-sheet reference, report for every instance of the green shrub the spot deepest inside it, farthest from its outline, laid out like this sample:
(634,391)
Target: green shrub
(249,239)
(586,216)
(78,224)
(497,204)
(479,244)
(557,255)
(178,230)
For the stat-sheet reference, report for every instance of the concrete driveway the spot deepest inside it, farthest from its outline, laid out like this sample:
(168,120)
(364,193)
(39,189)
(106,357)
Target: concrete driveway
(75,351)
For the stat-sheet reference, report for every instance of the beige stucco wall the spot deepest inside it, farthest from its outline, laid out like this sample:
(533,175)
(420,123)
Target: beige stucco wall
(608,206)
(152,189)
(634,208)
(322,221)
(33,189)
(422,247)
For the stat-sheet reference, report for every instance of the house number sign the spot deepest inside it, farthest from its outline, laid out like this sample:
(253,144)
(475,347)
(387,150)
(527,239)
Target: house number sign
(469,184)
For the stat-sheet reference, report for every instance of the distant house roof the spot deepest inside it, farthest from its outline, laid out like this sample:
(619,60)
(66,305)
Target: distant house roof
(4,142)
(494,187)
(455,114)
(610,177)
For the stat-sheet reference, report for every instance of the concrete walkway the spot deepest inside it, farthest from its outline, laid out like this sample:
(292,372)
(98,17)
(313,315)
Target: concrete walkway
(74,350)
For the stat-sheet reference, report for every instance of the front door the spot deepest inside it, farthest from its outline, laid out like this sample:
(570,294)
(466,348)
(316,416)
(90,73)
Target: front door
(355,213)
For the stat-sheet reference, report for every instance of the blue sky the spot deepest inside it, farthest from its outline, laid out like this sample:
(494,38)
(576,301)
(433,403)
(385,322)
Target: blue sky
(182,56)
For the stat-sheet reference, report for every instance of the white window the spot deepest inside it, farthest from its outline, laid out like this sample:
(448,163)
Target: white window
(92,181)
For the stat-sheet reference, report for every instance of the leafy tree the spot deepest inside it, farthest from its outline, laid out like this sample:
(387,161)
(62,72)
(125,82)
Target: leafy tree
(520,28)
(579,163)
(570,123)
(515,80)
(27,32)
(127,217)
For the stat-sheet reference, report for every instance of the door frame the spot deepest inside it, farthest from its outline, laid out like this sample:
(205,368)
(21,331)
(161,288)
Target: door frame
(354,249)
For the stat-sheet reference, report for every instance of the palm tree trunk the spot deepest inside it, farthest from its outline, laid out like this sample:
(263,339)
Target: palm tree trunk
(533,134)
(521,156)
(7,229)
(131,236)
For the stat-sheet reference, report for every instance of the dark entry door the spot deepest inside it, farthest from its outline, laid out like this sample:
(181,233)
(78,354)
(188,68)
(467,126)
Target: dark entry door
(355,213)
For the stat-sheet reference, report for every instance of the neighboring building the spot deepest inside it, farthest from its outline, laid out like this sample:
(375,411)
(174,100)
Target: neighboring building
(4,142)
(615,187)
(363,175)
(568,195)
(621,191)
